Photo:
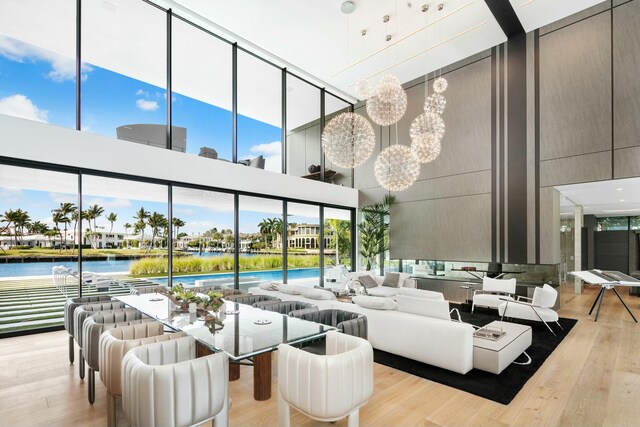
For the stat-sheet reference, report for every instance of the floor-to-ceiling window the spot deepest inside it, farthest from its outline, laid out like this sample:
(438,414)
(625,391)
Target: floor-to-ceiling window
(203,238)
(260,240)
(303,128)
(125,231)
(303,243)
(37,61)
(124,95)
(337,236)
(38,223)
(202,90)
(259,113)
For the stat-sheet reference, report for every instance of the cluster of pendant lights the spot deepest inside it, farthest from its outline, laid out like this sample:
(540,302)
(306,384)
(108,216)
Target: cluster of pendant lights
(348,139)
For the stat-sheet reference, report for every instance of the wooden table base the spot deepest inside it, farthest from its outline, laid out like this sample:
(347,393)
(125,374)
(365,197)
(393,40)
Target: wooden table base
(262,376)
(234,371)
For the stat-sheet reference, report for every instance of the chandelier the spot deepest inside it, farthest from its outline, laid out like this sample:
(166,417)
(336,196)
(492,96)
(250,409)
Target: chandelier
(396,168)
(388,102)
(426,133)
(348,140)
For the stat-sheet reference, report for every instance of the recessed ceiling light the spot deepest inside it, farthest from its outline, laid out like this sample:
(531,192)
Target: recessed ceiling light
(622,200)
(348,7)
(618,189)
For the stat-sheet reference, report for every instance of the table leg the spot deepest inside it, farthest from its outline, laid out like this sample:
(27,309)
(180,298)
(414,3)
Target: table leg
(262,376)
(234,371)
(600,304)
(625,305)
(596,300)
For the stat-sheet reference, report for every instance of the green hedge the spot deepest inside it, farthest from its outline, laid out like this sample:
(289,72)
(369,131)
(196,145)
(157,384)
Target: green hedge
(192,264)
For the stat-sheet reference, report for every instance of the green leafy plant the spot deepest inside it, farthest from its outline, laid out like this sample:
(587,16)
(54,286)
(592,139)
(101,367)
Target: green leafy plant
(374,230)
(213,301)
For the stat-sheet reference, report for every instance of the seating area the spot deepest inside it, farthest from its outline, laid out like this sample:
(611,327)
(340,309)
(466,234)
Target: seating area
(314,214)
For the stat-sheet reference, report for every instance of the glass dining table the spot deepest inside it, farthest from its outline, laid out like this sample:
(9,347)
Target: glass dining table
(247,334)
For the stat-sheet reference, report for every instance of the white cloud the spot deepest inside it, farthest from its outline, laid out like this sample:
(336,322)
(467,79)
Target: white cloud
(146,105)
(271,148)
(62,67)
(11,195)
(63,198)
(19,105)
(108,203)
(182,212)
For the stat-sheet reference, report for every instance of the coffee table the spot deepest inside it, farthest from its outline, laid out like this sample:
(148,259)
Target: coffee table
(495,356)
(249,334)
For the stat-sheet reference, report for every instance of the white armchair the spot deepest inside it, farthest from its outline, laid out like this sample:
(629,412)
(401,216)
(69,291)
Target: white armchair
(493,293)
(326,388)
(539,309)
(163,384)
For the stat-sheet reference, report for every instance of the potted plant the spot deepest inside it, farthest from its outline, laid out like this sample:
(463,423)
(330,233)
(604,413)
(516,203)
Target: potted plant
(182,297)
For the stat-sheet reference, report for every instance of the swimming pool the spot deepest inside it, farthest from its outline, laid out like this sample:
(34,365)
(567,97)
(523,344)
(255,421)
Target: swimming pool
(275,275)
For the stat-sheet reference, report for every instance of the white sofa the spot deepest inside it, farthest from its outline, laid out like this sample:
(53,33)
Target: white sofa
(442,343)
(381,291)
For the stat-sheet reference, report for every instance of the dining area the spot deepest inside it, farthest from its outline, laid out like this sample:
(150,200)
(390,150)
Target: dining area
(164,363)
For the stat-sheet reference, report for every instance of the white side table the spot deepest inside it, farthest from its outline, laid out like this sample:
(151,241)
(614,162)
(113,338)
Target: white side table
(495,356)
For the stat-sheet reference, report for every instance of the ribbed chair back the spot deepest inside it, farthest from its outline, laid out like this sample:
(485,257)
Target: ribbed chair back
(345,321)
(250,299)
(325,388)
(69,307)
(114,344)
(283,307)
(163,384)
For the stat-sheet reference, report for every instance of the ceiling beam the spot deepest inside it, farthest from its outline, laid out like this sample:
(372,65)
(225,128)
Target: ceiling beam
(506,16)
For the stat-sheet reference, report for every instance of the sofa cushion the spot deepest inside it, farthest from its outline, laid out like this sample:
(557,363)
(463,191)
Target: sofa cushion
(317,294)
(421,293)
(270,286)
(383,291)
(291,289)
(489,300)
(367,281)
(391,280)
(438,309)
(402,277)
(376,303)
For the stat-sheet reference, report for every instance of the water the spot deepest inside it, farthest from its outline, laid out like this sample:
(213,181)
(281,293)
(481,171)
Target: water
(275,275)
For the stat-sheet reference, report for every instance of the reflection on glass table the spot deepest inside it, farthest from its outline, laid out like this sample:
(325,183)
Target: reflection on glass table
(251,333)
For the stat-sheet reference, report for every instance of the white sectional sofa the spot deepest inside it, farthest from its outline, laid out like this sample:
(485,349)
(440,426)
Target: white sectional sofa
(442,343)
(405,281)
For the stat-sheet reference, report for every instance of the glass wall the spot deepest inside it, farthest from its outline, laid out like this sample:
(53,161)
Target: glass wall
(203,239)
(259,113)
(124,95)
(333,173)
(303,128)
(202,79)
(337,235)
(125,232)
(38,220)
(303,243)
(260,240)
(614,223)
(37,67)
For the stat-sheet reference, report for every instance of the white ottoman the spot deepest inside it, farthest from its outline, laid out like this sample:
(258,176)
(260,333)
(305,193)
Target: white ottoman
(495,356)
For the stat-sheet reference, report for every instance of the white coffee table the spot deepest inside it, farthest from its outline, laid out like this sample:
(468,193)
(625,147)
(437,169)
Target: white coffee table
(495,356)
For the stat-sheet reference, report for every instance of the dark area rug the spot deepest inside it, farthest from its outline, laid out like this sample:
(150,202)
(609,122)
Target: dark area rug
(499,388)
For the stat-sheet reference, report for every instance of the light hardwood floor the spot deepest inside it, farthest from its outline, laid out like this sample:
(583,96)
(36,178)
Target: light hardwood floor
(592,379)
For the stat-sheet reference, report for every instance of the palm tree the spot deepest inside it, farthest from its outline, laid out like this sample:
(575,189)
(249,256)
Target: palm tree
(21,221)
(65,210)
(374,230)
(337,226)
(92,214)
(57,219)
(278,226)
(51,232)
(265,227)
(112,217)
(75,217)
(177,223)
(127,226)
(141,216)
(37,227)
(157,222)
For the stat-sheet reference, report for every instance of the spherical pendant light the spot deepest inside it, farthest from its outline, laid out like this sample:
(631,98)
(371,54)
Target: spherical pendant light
(363,88)
(435,103)
(440,85)
(348,140)
(388,103)
(396,168)
(426,133)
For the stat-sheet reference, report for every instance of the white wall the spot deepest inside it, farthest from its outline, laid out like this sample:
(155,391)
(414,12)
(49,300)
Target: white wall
(25,139)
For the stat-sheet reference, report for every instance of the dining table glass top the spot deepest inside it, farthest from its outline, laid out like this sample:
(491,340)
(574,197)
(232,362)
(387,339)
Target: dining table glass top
(240,330)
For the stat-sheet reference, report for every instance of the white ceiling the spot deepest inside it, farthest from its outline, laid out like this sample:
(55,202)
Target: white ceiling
(534,14)
(620,197)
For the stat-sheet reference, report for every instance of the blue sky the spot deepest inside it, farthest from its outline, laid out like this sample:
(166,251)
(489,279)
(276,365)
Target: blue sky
(40,85)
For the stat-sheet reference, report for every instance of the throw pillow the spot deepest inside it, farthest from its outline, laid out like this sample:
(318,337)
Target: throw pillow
(367,281)
(421,293)
(376,303)
(391,280)
(269,286)
(317,294)
(424,307)
(403,278)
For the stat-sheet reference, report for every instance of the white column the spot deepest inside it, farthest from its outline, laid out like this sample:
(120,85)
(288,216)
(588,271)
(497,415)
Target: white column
(577,239)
